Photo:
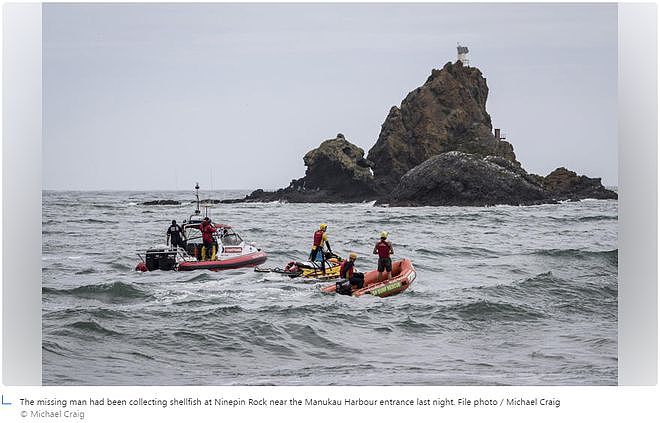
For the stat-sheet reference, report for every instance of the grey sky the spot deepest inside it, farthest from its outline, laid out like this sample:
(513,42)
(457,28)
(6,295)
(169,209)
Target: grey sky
(159,96)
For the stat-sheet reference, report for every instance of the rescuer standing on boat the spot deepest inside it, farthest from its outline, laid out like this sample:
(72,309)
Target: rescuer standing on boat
(349,277)
(207,238)
(317,252)
(175,233)
(384,249)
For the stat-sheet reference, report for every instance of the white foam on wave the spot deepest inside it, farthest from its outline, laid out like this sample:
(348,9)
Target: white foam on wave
(53,258)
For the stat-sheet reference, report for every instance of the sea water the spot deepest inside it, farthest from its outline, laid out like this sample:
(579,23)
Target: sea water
(503,295)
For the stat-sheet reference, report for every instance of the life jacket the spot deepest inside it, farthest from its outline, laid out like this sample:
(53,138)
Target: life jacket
(207,233)
(175,231)
(383,249)
(292,266)
(318,238)
(346,269)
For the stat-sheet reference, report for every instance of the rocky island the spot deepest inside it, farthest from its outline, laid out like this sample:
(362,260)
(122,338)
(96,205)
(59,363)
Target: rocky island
(437,148)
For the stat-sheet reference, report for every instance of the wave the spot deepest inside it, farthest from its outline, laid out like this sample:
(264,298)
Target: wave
(200,277)
(104,206)
(87,271)
(190,335)
(91,220)
(610,255)
(266,335)
(414,326)
(596,218)
(553,293)
(92,327)
(101,313)
(120,266)
(460,252)
(430,252)
(47,232)
(546,356)
(308,335)
(305,310)
(223,311)
(494,311)
(114,290)
(142,355)
(398,219)
(53,347)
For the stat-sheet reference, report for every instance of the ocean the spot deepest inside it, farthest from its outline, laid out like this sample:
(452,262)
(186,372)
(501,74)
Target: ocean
(504,295)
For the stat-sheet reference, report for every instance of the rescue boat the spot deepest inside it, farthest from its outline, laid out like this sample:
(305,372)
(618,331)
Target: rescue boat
(230,250)
(403,275)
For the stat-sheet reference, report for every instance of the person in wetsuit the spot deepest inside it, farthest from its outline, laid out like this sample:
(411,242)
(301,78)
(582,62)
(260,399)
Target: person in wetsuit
(350,278)
(176,235)
(208,230)
(384,249)
(318,253)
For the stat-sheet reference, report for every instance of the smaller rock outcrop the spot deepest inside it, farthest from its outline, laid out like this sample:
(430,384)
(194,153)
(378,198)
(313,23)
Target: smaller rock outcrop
(565,184)
(162,203)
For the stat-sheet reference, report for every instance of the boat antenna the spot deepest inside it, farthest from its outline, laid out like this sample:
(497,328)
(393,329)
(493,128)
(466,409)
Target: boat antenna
(197,195)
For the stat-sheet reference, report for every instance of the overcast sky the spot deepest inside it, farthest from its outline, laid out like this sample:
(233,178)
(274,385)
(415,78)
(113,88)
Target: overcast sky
(159,96)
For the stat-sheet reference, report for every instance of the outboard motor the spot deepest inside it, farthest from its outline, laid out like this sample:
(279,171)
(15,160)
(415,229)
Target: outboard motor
(159,258)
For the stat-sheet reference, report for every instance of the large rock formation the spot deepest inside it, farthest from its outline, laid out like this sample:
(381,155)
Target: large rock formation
(447,113)
(437,148)
(336,172)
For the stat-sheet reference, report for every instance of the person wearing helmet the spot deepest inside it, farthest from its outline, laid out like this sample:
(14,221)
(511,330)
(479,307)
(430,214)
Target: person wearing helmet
(176,235)
(208,230)
(384,249)
(350,278)
(317,253)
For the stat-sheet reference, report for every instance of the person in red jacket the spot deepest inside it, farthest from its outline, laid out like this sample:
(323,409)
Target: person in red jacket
(350,278)
(208,230)
(384,249)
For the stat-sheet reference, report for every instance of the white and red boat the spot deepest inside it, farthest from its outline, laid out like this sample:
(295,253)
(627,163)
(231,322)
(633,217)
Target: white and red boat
(232,251)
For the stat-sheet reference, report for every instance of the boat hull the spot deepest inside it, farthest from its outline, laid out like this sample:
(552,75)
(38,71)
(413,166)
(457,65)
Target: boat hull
(403,275)
(247,260)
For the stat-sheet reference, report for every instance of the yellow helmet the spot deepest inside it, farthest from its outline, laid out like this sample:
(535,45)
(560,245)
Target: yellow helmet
(323,226)
(384,234)
(353,256)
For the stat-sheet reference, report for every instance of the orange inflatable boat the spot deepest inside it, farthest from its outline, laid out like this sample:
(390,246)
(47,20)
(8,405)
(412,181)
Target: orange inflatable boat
(403,275)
